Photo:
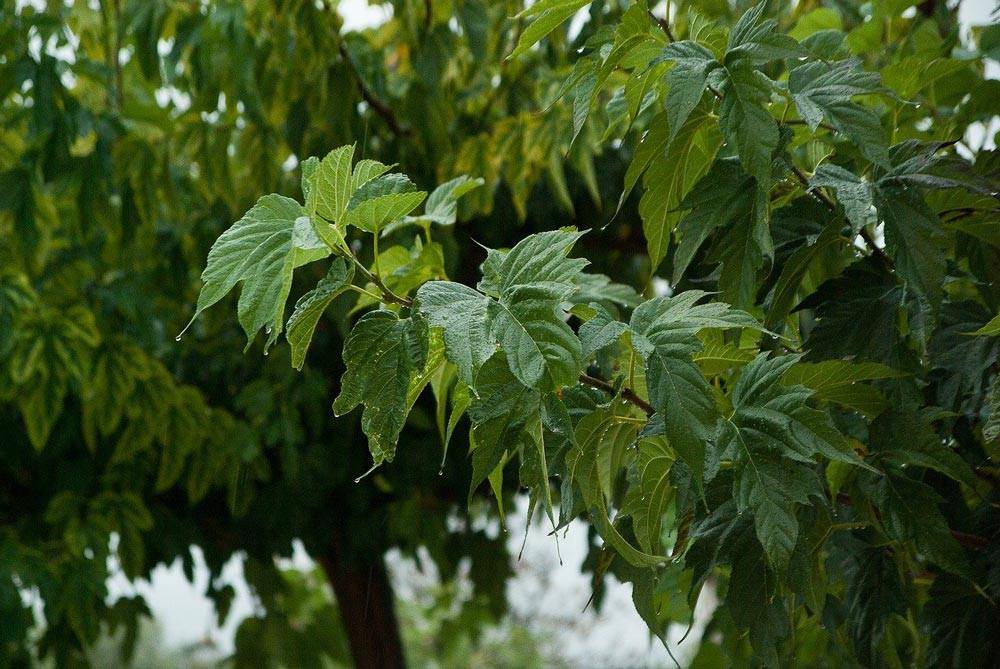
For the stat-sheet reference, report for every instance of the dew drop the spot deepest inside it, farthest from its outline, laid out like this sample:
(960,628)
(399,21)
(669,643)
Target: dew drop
(358,480)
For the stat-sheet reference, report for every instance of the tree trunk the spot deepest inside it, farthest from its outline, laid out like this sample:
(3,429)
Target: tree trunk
(365,598)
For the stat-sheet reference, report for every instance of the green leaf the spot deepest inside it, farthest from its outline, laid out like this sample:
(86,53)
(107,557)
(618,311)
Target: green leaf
(756,40)
(664,333)
(727,198)
(261,251)
(462,313)
(840,381)
(822,89)
(921,448)
(674,167)
(652,492)
(381,201)
(599,331)
(686,80)
(991,329)
(745,122)
(442,203)
(382,353)
(311,306)
(330,186)
(795,269)
(772,488)
(769,417)
(854,193)
(500,411)
(913,238)
(541,348)
(539,259)
(546,16)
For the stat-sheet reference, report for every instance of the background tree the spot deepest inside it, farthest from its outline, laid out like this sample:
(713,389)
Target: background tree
(801,161)
(135,133)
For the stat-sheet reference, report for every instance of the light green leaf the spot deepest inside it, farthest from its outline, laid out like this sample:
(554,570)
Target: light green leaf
(674,168)
(261,250)
(330,184)
(991,329)
(605,430)
(311,306)
(840,381)
(381,201)
(442,203)
(546,16)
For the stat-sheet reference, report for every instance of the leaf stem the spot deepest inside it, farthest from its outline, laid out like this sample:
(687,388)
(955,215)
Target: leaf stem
(387,294)
(627,393)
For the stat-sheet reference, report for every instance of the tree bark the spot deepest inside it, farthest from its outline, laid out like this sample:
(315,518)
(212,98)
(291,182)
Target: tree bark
(365,599)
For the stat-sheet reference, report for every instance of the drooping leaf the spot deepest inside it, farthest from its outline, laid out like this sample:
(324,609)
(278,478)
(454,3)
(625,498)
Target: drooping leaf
(500,410)
(310,307)
(382,353)
(597,436)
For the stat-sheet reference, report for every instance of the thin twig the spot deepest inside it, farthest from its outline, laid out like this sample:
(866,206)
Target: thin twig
(798,121)
(382,109)
(376,280)
(627,393)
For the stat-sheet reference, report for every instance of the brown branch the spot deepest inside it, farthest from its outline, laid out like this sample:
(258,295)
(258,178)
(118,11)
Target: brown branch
(797,121)
(627,393)
(382,109)
(376,280)
(973,541)
(664,25)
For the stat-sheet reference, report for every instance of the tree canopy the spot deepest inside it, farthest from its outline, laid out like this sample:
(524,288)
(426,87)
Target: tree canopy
(718,279)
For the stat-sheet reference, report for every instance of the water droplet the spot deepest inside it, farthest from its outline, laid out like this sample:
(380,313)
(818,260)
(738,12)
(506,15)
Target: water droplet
(373,468)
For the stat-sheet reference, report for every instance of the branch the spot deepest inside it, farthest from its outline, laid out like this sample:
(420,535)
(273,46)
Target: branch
(664,25)
(381,108)
(973,541)
(627,393)
(387,293)
(797,121)
(822,197)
